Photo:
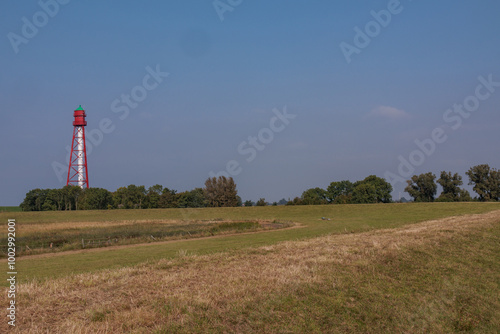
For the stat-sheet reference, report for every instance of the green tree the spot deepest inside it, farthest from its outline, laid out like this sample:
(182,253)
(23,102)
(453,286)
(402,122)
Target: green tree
(66,191)
(71,195)
(34,200)
(249,203)
(282,201)
(295,201)
(54,200)
(486,182)
(120,196)
(465,196)
(152,200)
(383,188)
(168,198)
(137,195)
(51,199)
(221,192)
(340,192)
(451,188)
(495,184)
(422,187)
(130,197)
(184,199)
(261,202)
(198,199)
(95,199)
(364,193)
(191,199)
(314,196)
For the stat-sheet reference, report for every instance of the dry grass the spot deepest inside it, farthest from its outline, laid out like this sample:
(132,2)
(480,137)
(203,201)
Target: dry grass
(244,291)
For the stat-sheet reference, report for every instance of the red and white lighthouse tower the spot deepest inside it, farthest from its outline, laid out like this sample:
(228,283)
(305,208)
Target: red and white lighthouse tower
(77,171)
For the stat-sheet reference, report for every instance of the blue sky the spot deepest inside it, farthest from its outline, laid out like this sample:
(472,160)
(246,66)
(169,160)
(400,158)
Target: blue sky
(225,78)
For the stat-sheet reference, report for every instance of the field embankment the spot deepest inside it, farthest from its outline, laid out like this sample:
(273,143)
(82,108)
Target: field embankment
(434,276)
(343,219)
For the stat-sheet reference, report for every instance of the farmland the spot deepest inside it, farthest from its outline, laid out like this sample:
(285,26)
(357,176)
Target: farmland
(10,209)
(391,267)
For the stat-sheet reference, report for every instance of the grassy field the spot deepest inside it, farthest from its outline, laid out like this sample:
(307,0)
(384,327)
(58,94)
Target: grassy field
(370,268)
(10,209)
(65,236)
(344,219)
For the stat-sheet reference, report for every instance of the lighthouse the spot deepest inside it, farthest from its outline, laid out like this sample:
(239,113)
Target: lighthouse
(77,170)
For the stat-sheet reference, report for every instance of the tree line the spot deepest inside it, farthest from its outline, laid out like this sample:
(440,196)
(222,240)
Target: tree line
(422,188)
(221,192)
(485,182)
(218,192)
(372,189)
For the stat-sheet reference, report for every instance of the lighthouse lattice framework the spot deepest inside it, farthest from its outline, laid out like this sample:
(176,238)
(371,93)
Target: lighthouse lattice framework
(77,170)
